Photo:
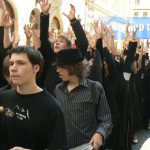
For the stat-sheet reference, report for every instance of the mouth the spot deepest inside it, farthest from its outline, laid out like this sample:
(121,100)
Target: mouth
(56,47)
(14,76)
(60,76)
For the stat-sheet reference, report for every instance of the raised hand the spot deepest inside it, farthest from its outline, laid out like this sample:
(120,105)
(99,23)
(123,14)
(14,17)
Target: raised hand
(28,31)
(134,34)
(15,39)
(111,31)
(96,26)
(33,22)
(2,5)
(45,6)
(7,21)
(72,12)
(127,38)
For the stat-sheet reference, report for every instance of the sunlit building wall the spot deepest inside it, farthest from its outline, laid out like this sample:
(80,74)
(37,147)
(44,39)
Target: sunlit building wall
(86,10)
(140,8)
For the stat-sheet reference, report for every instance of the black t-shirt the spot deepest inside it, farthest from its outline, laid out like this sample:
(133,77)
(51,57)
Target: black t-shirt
(33,121)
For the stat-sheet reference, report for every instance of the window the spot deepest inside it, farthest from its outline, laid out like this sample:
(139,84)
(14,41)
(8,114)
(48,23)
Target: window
(137,2)
(145,14)
(136,14)
(92,1)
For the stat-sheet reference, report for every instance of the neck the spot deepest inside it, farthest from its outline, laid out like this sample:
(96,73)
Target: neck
(73,83)
(28,89)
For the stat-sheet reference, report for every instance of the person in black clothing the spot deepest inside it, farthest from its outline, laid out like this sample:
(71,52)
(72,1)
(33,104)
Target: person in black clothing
(128,100)
(146,96)
(2,56)
(49,77)
(31,118)
(6,74)
(83,101)
(109,82)
(5,43)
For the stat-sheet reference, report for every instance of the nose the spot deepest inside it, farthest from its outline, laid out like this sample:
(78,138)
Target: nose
(12,68)
(58,69)
(57,43)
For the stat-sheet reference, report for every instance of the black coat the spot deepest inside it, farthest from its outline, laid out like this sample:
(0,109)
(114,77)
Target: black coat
(130,116)
(146,97)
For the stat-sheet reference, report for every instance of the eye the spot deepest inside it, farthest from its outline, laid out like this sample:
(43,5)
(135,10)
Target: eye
(11,63)
(21,63)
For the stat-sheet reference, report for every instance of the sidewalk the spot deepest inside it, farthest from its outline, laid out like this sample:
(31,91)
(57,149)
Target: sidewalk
(142,136)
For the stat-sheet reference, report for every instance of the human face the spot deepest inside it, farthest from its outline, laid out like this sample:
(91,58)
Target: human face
(22,72)
(60,44)
(63,74)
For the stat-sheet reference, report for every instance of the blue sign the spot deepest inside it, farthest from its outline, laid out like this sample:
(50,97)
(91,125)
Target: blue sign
(119,26)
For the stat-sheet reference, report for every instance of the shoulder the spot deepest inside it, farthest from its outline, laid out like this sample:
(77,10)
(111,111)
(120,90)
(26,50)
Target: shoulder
(48,100)
(95,84)
(7,92)
(61,85)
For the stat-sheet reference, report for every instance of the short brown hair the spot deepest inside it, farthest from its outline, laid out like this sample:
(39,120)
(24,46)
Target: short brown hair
(79,69)
(68,41)
(6,66)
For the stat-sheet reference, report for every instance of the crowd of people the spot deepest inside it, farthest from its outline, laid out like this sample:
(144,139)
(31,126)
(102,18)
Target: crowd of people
(60,91)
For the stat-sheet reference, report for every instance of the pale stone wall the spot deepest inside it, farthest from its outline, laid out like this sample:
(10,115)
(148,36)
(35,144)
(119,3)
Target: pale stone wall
(23,8)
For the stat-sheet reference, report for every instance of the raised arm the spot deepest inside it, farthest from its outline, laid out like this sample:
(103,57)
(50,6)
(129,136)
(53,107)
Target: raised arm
(46,47)
(2,10)
(131,52)
(127,35)
(28,34)
(44,21)
(81,39)
(7,22)
(111,41)
(35,38)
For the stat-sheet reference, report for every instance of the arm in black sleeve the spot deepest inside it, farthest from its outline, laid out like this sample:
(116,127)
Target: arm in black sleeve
(130,56)
(82,41)
(46,48)
(132,50)
(111,64)
(44,24)
(99,46)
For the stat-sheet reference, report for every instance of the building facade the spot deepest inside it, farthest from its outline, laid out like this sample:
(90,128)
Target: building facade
(86,10)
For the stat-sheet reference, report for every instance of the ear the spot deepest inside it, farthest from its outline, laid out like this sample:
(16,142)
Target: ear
(36,68)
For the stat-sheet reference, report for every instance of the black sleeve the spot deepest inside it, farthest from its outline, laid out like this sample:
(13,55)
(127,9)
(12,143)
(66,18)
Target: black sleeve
(96,69)
(82,41)
(130,56)
(46,48)
(99,46)
(131,50)
(111,64)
